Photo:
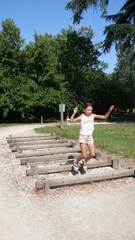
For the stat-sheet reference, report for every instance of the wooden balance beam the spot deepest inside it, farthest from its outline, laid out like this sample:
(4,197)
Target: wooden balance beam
(45,159)
(44,146)
(82,179)
(47,152)
(31,136)
(22,140)
(50,142)
(68,167)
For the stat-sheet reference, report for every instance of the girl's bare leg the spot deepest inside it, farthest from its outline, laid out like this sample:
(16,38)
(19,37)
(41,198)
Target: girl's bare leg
(91,150)
(83,155)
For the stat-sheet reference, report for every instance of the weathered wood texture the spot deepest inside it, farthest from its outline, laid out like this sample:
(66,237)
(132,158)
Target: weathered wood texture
(45,159)
(47,152)
(31,136)
(50,142)
(68,167)
(32,139)
(82,179)
(36,136)
(44,146)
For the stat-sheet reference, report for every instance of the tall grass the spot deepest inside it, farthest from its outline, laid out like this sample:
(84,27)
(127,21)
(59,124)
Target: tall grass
(115,138)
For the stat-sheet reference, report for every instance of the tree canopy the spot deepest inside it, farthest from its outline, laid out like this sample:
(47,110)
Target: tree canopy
(35,78)
(123,27)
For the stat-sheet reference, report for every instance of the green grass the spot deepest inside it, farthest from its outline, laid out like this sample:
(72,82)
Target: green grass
(70,132)
(115,138)
(119,138)
(7,124)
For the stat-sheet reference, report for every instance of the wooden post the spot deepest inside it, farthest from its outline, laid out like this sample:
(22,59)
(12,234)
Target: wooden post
(41,119)
(61,110)
(47,187)
(61,119)
(115,164)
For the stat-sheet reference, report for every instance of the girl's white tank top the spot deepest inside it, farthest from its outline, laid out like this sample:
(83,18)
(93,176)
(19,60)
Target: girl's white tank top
(86,124)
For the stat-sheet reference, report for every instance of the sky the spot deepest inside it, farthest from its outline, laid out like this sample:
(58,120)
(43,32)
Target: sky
(50,16)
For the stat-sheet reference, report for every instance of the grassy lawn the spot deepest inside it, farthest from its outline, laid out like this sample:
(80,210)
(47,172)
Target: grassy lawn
(7,124)
(115,138)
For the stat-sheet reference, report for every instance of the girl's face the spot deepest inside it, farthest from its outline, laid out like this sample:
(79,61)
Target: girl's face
(88,111)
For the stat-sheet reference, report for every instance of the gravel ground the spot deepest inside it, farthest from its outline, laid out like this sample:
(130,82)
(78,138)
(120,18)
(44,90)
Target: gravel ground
(97,211)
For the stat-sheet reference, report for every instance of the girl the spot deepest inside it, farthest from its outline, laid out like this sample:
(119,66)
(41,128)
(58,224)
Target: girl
(86,129)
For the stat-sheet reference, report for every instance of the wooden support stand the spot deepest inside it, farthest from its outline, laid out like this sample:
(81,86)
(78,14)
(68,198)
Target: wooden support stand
(81,179)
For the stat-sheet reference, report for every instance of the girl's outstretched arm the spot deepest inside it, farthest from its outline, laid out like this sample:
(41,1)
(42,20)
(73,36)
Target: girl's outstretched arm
(72,118)
(106,115)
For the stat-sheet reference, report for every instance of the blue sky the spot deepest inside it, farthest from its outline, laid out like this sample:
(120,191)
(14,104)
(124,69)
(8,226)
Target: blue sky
(50,16)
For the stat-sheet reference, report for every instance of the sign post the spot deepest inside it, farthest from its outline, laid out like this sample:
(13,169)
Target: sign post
(61,110)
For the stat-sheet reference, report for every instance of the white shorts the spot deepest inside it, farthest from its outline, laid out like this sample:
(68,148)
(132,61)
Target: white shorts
(86,139)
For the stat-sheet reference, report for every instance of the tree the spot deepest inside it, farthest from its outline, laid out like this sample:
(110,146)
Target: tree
(80,63)
(42,66)
(79,6)
(35,78)
(10,46)
(124,78)
(123,29)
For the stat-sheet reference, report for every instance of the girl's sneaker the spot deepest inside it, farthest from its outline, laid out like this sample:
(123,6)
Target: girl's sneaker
(84,166)
(76,167)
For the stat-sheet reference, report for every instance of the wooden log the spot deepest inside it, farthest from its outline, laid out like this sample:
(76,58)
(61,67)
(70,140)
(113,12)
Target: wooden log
(32,139)
(43,142)
(45,146)
(83,179)
(47,152)
(68,167)
(45,159)
(51,141)
(31,136)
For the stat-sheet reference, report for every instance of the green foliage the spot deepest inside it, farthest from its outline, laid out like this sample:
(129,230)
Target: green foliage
(117,34)
(124,78)
(120,88)
(37,77)
(79,6)
(10,45)
(79,63)
(123,29)
(30,80)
